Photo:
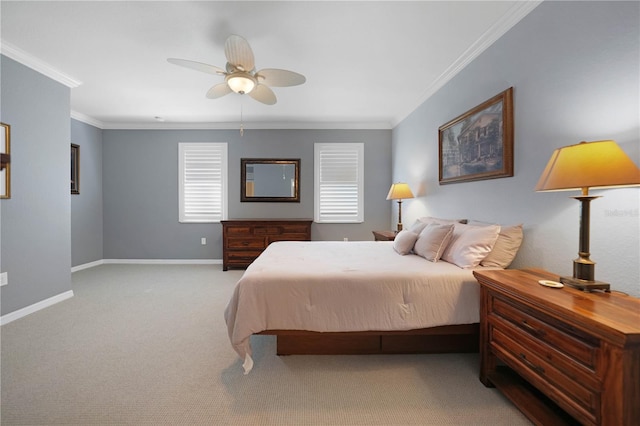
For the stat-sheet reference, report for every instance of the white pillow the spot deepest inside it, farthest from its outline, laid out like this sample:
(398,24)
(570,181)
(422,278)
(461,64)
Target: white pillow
(432,241)
(507,245)
(404,241)
(418,226)
(470,244)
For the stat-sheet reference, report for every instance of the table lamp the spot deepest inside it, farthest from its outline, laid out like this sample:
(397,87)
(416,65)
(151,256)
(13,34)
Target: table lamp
(598,164)
(399,191)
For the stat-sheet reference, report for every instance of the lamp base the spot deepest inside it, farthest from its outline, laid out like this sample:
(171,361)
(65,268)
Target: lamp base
(585,285)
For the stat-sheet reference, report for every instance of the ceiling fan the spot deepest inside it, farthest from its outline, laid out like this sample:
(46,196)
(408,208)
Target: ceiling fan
(240,75)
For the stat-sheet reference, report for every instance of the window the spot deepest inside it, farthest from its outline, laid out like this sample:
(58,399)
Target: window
(202,182)
(339,180)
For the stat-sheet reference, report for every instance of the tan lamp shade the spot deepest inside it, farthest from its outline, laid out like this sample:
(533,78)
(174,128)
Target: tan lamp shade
(399,191)
(599,164)
(588,165)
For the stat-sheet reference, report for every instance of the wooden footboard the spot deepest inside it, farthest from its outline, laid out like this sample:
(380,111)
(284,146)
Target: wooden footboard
(444,339)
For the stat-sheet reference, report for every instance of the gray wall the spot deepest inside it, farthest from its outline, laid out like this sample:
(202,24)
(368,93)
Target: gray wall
(35,221)
(86,207)
(574,67)
(140,188)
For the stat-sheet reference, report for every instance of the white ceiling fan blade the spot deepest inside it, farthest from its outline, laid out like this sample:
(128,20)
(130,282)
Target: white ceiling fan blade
(218,91)
(198,66)
(262,93)
(239,53)
(280,78)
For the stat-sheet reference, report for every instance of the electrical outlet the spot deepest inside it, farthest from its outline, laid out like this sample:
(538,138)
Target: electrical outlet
(4,278)
(203,241)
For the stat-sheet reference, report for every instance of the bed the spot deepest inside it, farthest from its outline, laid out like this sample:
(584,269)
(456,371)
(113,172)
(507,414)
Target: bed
(326,297)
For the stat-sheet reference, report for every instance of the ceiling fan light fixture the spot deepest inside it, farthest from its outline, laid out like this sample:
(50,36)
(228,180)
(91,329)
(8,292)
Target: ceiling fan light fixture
(241,82)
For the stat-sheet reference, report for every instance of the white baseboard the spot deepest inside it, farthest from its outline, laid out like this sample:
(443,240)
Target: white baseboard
(147,262)
(6,319)
(164,261)
(86,265)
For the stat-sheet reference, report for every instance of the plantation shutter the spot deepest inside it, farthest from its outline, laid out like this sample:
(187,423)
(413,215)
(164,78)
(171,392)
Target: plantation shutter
(202,171)
(339,180)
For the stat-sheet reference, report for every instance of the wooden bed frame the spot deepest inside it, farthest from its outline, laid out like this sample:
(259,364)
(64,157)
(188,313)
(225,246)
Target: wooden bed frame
(444,339)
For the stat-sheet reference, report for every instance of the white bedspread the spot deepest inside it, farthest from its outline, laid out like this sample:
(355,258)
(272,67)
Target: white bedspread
(346,286)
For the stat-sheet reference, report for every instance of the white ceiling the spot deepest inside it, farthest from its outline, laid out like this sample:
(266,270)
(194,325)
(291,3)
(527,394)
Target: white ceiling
(368,64)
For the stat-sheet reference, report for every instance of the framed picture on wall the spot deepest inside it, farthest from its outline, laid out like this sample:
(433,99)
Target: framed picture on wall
(5,161)
(75,169)
(478,144)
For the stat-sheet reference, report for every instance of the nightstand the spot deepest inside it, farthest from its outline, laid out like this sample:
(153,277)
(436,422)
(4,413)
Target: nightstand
(559,351)
(384,235)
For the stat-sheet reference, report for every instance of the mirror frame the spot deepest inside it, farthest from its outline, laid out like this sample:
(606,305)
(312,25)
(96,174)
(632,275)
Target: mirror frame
(282,161)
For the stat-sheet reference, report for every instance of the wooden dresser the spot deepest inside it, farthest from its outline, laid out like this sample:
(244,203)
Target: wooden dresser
(561,355)
(244,239)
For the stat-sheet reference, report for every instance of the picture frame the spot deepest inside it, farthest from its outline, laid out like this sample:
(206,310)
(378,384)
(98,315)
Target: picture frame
(5,161)
(75,169)
(478,144)
(270,180)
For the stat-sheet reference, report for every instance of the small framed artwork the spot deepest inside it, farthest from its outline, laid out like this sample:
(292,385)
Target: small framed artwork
(75,168)
(478,144)
(5,160)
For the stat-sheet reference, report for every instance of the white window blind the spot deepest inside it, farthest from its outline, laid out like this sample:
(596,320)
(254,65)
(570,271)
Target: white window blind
(202,171)
(339,180)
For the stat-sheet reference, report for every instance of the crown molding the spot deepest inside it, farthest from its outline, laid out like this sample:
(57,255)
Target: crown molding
(36,64)
(249,126)
(276,125)
(514,15)
(86,119)
(279,125)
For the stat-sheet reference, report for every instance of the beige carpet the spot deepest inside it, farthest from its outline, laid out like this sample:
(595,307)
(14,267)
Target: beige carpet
(147,344)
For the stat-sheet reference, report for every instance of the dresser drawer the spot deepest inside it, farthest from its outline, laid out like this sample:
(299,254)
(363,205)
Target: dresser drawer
(267,230)
(288,237)
(576,391)
(245,256)
(294,228)
(246,243)
(575,344)
(572,371)
(238,230)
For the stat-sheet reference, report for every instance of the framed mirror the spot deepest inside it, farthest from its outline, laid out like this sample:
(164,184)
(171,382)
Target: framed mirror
(273,180)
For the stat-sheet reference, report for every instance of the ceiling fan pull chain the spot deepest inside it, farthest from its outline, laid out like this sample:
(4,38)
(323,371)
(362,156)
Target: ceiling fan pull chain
(241,124)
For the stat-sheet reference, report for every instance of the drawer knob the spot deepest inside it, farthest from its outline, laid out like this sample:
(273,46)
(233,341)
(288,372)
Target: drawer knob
(531,365)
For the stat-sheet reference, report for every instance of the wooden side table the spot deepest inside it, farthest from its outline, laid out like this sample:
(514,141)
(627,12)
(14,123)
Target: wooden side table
(384,235)
(581,350)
